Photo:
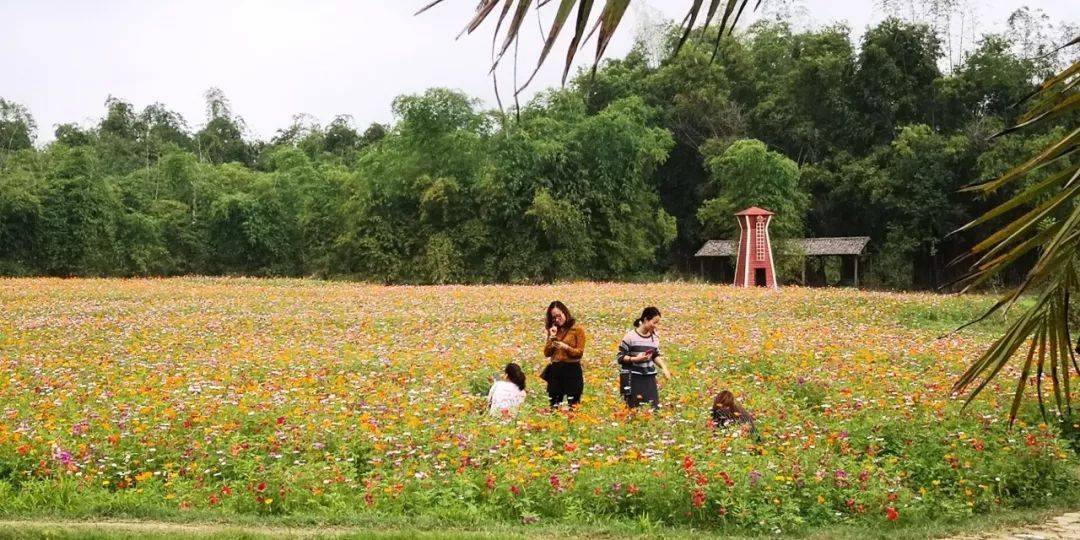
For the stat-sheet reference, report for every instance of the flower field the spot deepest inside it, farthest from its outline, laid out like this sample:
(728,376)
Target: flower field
(236,396)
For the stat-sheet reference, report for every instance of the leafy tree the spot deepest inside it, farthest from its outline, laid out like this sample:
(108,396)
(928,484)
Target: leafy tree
(72,135)
(918,198)
(222,139)
(21,215)
(988,83)
(748,174)
(17,127)
(894,79)
(79,218)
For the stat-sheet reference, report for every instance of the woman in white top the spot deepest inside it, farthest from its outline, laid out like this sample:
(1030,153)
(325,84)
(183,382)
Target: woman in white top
(508,393)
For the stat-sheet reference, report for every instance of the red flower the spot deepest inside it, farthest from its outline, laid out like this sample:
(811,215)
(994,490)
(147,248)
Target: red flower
(555,483)
(891,514)
(688,463)
(281,420)
(213,499)
(698,498)
(727,479)
(515,490)
(226,490)
(369,499)
(261,487)
(490,482)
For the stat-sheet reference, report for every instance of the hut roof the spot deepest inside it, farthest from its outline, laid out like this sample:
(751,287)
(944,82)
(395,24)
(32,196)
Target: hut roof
(755,211)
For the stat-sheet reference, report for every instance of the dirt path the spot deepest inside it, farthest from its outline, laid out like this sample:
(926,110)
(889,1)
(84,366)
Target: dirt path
(1059,527)
(161,529)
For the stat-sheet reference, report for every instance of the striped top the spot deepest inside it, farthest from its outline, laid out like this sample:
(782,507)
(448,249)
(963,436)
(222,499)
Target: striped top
(634,344)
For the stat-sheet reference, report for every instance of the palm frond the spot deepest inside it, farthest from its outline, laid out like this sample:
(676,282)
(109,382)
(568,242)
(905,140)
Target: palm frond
(605,24)
(1051,226)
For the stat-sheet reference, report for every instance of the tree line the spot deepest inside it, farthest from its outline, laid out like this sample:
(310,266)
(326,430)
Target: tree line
(622,174)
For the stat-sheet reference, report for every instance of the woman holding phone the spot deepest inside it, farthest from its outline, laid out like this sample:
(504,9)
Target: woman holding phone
(639,359)
(565,346)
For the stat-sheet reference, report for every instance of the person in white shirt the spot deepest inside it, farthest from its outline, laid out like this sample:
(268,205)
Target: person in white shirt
(508,393)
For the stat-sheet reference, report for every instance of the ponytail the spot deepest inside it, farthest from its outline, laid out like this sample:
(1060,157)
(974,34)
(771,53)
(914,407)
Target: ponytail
(646,314)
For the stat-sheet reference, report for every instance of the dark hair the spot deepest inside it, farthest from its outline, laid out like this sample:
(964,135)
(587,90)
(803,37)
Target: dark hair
(646,314)
(549,320)
(726,400)
(515,374)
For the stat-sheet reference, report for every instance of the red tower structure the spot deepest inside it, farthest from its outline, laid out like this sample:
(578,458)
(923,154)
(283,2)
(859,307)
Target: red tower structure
(755,263)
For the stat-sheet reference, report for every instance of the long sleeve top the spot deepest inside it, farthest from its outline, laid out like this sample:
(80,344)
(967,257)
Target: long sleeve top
(574,337)
(504,398)
(634,344)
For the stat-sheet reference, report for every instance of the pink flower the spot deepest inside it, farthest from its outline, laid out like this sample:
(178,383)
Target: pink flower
(63,456)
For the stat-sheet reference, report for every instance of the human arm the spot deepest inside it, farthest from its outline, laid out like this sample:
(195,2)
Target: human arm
(663,367)
(549,345)
(623,356)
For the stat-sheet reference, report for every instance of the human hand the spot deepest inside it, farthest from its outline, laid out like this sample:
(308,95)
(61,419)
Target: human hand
(552,331)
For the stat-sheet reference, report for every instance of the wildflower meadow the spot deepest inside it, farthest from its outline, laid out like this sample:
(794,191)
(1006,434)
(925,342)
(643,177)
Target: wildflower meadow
(238,397)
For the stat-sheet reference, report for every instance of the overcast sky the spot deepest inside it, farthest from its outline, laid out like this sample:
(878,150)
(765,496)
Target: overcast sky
(277,58)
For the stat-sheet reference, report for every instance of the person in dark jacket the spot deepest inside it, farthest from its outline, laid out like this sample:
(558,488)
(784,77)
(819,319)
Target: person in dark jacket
(726,412)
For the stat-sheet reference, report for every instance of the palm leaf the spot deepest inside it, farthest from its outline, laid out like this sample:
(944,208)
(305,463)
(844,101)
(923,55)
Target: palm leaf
(606,24)
(1056,237)
(610,18)
(584,8)
(560,20)
(512,30)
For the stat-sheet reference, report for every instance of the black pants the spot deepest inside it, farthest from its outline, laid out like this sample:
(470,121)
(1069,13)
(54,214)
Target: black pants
(643,389)
(565,382)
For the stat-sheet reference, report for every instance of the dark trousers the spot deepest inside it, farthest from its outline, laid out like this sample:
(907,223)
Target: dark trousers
(565,382)
(643,389)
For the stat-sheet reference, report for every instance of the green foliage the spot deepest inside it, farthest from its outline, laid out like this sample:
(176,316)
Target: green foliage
(17,127)
(620,175)
(749,174)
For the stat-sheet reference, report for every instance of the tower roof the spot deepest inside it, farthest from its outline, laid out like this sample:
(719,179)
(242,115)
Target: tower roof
(755,211)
